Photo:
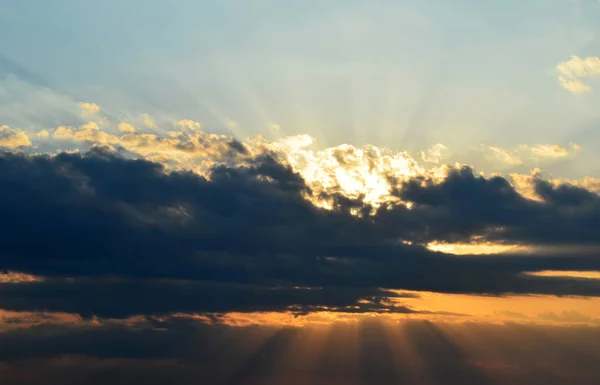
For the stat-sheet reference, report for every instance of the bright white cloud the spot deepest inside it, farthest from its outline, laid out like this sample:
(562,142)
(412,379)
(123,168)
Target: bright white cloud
(574,70)
(368,172)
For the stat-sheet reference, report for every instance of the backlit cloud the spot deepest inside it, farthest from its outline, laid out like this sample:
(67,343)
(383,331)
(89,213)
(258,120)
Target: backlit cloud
(249,235)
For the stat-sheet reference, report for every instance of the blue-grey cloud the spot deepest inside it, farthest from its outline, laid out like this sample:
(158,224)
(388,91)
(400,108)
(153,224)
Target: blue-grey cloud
(116,237)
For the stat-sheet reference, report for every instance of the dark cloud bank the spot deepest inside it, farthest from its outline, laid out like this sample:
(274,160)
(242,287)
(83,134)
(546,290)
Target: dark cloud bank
(115,237)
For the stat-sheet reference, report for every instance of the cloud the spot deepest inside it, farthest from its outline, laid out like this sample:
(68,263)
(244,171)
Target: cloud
(148,121)
(526,154)
(464,205)
(573,85)
(180,147)
(89,108)
(231,123)
(551,151)
(190,125)
(13,138)
(504,156)
(12,277)
(434,153)
(43,134)
(117,237)
(88,132)
(567,316)
(574,70)
(126,128)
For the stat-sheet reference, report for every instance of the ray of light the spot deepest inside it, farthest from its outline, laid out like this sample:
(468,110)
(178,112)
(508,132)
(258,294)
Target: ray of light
(410,367)
(298,361)
(339,362)
(257,358)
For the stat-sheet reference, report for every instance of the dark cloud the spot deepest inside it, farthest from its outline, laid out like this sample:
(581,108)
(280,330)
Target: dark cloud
(464,205)
(371,352)
(126,297)
(117,237)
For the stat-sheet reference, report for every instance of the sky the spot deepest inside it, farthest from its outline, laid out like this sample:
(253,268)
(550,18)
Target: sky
(316,192)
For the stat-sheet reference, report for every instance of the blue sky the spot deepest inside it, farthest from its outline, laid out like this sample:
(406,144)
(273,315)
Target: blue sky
(400,74)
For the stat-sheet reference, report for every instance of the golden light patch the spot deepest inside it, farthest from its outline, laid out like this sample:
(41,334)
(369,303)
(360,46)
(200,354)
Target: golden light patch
(474,248)
(566,274)
(17,277)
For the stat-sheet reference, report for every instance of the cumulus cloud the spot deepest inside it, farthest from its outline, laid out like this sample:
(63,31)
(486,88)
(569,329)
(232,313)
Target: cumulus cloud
(254,222)
(179,147)
(189,125)
(117,260)
(89,108)
(13,138)
(574,70)
(117,237)
(43,134)
(126,128)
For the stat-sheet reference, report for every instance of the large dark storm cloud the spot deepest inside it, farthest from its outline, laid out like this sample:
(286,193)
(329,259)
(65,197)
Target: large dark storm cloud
(464,205)
(116,237)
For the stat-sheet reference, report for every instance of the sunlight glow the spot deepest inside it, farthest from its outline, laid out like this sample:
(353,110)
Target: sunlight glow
(568,274)
(474,248)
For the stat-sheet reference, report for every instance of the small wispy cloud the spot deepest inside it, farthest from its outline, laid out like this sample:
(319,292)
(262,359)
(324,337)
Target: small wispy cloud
(509,157)
(525,153)
(149,121)
(434,154)
(190,125)
(574,70)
